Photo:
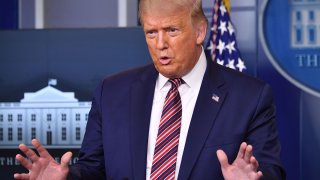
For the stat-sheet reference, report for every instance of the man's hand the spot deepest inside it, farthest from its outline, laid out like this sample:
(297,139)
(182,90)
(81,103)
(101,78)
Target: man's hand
(43,166)
(243,167)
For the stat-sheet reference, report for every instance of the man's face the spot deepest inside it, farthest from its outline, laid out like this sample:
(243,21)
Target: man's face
(174,42)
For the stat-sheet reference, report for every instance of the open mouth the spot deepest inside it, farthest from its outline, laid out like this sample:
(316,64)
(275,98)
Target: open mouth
(164,60)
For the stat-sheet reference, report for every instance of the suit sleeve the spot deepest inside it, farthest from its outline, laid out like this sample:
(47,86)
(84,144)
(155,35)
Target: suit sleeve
(91,157)
(263,135)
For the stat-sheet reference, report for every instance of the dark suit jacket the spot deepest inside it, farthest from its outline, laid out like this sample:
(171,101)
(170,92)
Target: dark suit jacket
(116,139)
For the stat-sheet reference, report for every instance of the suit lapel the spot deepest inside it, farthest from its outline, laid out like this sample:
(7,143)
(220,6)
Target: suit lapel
(141,104)
(203,118)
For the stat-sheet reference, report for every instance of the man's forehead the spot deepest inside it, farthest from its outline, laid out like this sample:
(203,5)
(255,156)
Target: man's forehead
(160,22)
(164,20)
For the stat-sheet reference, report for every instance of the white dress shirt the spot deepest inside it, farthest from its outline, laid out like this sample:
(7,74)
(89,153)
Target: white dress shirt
(189,93)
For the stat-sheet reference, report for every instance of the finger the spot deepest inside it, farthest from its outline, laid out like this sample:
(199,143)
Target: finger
(28,152)
(248,153)
(260,174)
(65,159)
(22,176)
(223,159)
(40,148)
(24,162)
(254,162)
(242,150)
(255,175)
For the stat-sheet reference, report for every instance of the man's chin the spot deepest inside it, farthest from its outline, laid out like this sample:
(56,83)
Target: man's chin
(168,71)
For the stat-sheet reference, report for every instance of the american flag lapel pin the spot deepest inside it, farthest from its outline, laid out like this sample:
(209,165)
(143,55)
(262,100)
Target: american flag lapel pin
(215,97)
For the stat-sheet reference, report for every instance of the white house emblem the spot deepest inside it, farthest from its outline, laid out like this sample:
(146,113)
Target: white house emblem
(290,36)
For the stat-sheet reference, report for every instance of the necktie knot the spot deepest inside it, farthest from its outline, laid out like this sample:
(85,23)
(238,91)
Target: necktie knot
(175,82)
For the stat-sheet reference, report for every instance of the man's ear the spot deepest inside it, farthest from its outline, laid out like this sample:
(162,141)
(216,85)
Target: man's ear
(201,32)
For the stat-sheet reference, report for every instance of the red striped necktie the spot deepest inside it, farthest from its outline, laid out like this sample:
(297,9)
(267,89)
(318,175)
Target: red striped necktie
(165,153)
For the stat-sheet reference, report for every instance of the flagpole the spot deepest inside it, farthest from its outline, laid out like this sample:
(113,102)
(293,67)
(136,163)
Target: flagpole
(227,5)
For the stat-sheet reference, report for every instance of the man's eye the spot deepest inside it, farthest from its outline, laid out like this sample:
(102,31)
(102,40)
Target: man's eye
(173,31)
(151,34)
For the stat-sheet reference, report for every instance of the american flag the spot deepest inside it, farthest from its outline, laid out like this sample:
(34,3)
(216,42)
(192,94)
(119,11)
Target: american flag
(222,46)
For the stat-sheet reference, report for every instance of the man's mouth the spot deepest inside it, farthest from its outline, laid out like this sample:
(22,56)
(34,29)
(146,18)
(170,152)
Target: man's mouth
(164,60)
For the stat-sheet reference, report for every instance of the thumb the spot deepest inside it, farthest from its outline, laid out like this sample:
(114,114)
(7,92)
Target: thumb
(65,159)
(223,159)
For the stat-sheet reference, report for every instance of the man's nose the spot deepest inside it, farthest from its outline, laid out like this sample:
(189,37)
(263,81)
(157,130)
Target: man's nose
(162,42)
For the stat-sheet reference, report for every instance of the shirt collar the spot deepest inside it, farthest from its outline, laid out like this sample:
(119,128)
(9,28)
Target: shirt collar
(191,79)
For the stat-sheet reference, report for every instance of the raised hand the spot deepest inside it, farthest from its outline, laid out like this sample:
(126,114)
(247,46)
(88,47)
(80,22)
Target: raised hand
(244,167)
(43,166)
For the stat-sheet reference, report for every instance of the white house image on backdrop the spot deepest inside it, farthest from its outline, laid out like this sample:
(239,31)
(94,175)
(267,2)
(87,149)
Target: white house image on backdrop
(54,117)
(305,23)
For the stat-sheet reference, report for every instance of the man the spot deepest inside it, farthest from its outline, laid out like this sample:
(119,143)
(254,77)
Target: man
(180,118)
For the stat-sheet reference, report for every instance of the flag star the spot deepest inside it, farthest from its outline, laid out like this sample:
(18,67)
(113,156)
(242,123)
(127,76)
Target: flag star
(230,46)
(230,28)
(221,46)
(223,9)
(231,64)
(221,62)
(210,47)
(241,65)
(223,27)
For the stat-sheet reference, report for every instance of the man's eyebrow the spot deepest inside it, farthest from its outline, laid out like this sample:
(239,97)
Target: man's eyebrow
(172,27)
(149,29)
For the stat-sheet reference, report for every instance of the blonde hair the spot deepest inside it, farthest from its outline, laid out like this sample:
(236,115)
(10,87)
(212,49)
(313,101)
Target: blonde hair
(193,6)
